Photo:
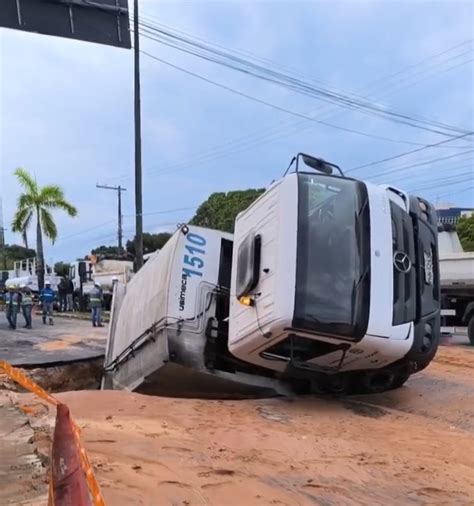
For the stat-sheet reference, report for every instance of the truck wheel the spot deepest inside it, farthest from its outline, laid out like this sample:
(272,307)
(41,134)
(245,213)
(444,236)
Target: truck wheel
(400,379)
(470,330)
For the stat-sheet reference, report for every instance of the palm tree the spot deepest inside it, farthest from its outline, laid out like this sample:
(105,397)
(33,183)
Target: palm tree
(39,202)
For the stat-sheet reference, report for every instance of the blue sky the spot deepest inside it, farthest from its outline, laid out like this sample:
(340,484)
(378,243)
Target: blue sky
(66,107)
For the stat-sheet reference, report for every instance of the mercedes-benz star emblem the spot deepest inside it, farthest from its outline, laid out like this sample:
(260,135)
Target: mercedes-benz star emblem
(402,262)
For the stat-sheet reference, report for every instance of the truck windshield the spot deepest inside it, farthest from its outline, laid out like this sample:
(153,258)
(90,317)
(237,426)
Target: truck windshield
(333,256)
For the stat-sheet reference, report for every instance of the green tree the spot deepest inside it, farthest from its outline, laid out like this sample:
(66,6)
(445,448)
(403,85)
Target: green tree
(220,209)
(11,253)
(151,242)
(465,230)
(106,250)
(38,202)
(61,269)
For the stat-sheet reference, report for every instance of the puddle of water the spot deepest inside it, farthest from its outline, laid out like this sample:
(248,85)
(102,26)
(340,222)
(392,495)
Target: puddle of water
(365,409)
(270,414)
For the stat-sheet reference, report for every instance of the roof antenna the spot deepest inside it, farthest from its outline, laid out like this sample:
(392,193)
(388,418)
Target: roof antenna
(293,160)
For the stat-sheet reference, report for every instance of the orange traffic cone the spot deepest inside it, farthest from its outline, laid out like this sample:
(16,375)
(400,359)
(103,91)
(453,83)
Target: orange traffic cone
(69,485)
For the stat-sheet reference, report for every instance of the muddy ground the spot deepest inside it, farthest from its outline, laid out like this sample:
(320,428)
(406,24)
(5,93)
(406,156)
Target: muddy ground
(410,446)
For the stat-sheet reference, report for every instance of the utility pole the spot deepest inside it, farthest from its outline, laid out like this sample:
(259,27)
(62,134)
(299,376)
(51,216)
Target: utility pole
(2,238)
(119,191)
(2,230)
(138,146)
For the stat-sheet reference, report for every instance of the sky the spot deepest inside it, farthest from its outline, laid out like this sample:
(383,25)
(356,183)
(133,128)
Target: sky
(66,108)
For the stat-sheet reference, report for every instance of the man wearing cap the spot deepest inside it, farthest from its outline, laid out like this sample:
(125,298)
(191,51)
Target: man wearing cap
(95,302)
(26,305)
(47,297)
(12,303)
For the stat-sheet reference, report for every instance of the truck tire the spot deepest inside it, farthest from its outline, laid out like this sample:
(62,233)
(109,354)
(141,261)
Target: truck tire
(470,329)
(400,379)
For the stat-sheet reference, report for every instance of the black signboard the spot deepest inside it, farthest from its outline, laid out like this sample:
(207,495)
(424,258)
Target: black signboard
(101,21)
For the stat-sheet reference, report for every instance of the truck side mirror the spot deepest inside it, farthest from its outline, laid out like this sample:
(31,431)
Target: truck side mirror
(317,164)
(248,265)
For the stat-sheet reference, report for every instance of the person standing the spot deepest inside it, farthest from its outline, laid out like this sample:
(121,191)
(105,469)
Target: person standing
(27,305)
(62,295)
(95,302)
(69,294)
(12,300)
(47,297)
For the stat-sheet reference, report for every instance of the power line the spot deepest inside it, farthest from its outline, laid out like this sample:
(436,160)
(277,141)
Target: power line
(406,153)
(119,191)
(277,107)
(82,232)
(166,211)
(416,177)
(469,188)
(173,36)
(305,117)
(251,141)
(420,164)
(173,40)
(443,182)
(150,18)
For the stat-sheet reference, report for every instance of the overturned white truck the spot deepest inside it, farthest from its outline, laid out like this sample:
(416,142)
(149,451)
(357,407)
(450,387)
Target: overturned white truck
(328,284)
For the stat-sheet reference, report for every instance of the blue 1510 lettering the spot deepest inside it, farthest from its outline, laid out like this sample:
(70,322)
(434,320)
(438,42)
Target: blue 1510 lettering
(194,247)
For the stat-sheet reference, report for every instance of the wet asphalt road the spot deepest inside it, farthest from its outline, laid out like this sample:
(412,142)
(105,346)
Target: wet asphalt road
(67,341)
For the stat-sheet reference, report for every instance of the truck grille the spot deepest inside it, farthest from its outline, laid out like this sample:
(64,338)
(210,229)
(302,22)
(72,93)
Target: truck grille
(404,267)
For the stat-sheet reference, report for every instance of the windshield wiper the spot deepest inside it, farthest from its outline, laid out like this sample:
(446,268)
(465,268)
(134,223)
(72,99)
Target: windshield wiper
(355,290)
(357,224)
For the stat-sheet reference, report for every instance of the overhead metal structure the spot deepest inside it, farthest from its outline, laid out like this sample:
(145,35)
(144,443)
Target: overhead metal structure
(100,21)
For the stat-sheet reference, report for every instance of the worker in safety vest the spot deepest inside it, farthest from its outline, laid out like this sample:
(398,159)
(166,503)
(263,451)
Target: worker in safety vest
(26,305)
(12,304)
(95,302)
(47,297)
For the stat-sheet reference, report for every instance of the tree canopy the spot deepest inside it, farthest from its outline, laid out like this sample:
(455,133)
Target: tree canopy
(106,250)
(151,242)
(220,209)
(61,268)
(11,253)
(465,230)
(39,200)
(37,203)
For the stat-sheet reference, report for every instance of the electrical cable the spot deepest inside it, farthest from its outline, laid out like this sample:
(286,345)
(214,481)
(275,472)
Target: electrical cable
(279,108)
(292,83)
(406,153)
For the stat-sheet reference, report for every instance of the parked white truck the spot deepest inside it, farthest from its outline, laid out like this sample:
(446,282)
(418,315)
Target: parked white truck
(84,273)
(328,284)
(25,273)
(457,280)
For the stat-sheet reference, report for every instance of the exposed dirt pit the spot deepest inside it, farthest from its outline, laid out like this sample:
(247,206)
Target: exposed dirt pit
(410,446)
(79,375)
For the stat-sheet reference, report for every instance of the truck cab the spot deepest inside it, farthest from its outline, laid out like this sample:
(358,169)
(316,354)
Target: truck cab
(334,279)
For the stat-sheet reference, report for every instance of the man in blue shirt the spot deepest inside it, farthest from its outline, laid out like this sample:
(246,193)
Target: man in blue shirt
(47,297)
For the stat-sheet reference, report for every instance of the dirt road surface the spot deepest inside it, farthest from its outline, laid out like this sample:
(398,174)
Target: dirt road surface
(410,446)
